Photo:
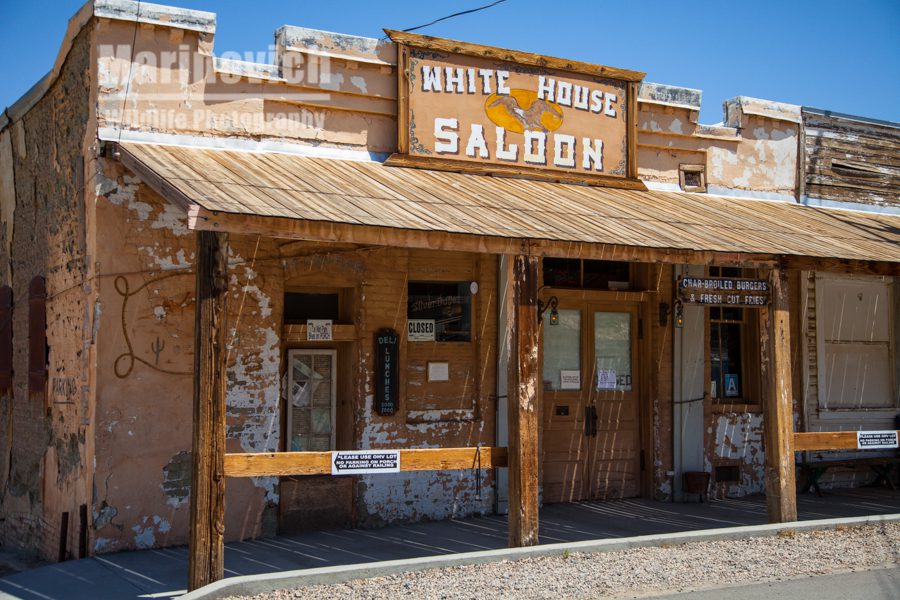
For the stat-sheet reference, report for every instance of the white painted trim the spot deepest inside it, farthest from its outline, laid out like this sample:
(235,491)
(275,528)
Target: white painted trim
(663,186)
(880,209)
(114,134)
(717,190)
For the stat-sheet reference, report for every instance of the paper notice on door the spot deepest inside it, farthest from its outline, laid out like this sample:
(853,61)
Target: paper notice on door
(606,379)
(569,380)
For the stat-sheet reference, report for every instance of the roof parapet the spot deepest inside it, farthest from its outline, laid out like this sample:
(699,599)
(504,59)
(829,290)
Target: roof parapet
(737,107)
(289,38)
(155,14)
(670,95)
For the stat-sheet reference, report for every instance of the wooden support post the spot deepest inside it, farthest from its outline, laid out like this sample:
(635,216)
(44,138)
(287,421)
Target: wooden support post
(207,542)
(523,388)
(775,365)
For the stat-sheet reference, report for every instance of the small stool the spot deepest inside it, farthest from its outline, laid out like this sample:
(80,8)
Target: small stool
(695,482)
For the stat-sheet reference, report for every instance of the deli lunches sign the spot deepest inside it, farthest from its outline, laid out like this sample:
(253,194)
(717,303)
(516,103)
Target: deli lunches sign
(504,110)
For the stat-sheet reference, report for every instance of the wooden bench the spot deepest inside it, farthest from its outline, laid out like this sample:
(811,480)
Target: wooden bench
(882,467)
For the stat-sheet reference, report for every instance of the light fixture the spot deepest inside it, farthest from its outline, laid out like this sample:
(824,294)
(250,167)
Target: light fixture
(679,313)
(552,304)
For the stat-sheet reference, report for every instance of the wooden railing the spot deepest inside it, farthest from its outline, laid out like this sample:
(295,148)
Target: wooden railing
(826,440)
(319,463)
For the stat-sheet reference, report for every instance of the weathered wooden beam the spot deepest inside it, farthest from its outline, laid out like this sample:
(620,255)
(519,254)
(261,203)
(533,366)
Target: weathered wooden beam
(775,366)
(369,235)
(275,464)
(524,383)
(516,56)
(839,265)
(826,440)
(456,166)
(206,545)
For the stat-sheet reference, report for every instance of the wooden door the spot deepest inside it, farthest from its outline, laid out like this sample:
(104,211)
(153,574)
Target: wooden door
(590,430)
(613,446)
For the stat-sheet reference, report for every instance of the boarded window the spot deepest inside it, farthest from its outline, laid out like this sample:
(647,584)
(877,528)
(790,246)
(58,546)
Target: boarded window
(854,325)
(37,336)
(6,367)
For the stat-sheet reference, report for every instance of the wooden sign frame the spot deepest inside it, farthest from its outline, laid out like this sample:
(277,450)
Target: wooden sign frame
(630,79)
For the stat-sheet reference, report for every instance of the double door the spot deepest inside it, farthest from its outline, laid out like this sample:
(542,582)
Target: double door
(590,438)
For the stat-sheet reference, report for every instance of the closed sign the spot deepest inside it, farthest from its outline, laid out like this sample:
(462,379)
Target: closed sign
(420,330)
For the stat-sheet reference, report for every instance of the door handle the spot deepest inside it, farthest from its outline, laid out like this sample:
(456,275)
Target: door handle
(590,421)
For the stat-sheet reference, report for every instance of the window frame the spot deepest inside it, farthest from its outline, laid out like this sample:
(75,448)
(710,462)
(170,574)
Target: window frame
(471,304)
(750,352)
(289,413)
(824,411)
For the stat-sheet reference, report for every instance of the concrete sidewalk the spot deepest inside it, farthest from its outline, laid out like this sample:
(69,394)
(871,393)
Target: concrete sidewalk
(163,573)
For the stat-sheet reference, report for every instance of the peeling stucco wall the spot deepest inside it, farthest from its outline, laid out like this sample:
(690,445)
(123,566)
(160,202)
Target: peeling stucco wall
(144,394)
(737,436)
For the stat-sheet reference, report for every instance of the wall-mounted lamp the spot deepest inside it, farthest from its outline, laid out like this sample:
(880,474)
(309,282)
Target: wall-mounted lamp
(552,304)
(678,310)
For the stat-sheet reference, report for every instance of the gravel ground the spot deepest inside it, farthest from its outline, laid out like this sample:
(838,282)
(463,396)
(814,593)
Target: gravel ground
(631,573)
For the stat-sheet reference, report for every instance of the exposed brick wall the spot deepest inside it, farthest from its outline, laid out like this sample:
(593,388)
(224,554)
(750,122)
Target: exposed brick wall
(43,436)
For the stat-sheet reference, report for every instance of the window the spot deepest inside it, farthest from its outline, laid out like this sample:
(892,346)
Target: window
(587,274)
(692,178)
(854,325)
(733,349)
(298,307)
(726,333)
(38,351)
(448,305)
(562,352)
(311,400)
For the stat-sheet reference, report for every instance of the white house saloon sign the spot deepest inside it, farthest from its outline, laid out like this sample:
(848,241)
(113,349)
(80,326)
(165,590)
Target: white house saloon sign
(476,108)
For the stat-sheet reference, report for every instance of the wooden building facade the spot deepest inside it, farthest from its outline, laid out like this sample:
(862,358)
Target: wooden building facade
(535,279)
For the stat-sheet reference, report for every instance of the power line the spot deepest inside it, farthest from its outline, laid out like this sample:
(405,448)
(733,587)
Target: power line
(465,12)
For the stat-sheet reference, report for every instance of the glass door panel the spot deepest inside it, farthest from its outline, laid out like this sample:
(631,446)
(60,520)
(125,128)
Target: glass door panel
(311,408)
(612,351)
(562,352)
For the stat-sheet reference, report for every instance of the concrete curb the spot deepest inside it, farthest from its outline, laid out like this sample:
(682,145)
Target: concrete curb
(249,585)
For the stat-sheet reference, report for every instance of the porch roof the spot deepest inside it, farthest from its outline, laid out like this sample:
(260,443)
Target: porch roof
(295,196)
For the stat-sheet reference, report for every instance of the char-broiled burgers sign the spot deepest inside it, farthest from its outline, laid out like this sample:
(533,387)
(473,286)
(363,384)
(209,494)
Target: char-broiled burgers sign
(513,112)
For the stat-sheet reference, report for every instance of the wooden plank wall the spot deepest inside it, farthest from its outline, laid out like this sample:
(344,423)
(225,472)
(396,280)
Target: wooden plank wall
(851,161)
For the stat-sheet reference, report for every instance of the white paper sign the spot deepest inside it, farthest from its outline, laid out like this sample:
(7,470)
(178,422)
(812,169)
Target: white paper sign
(570,380)
(361,462)
(438,371)
(318,330)
(606,379)
(420,330)
(876,440)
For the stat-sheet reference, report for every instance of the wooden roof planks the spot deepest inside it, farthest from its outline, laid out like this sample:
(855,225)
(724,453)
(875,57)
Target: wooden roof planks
(369,194)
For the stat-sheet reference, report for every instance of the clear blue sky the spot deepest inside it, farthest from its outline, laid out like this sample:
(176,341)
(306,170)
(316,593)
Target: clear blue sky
(841,56)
